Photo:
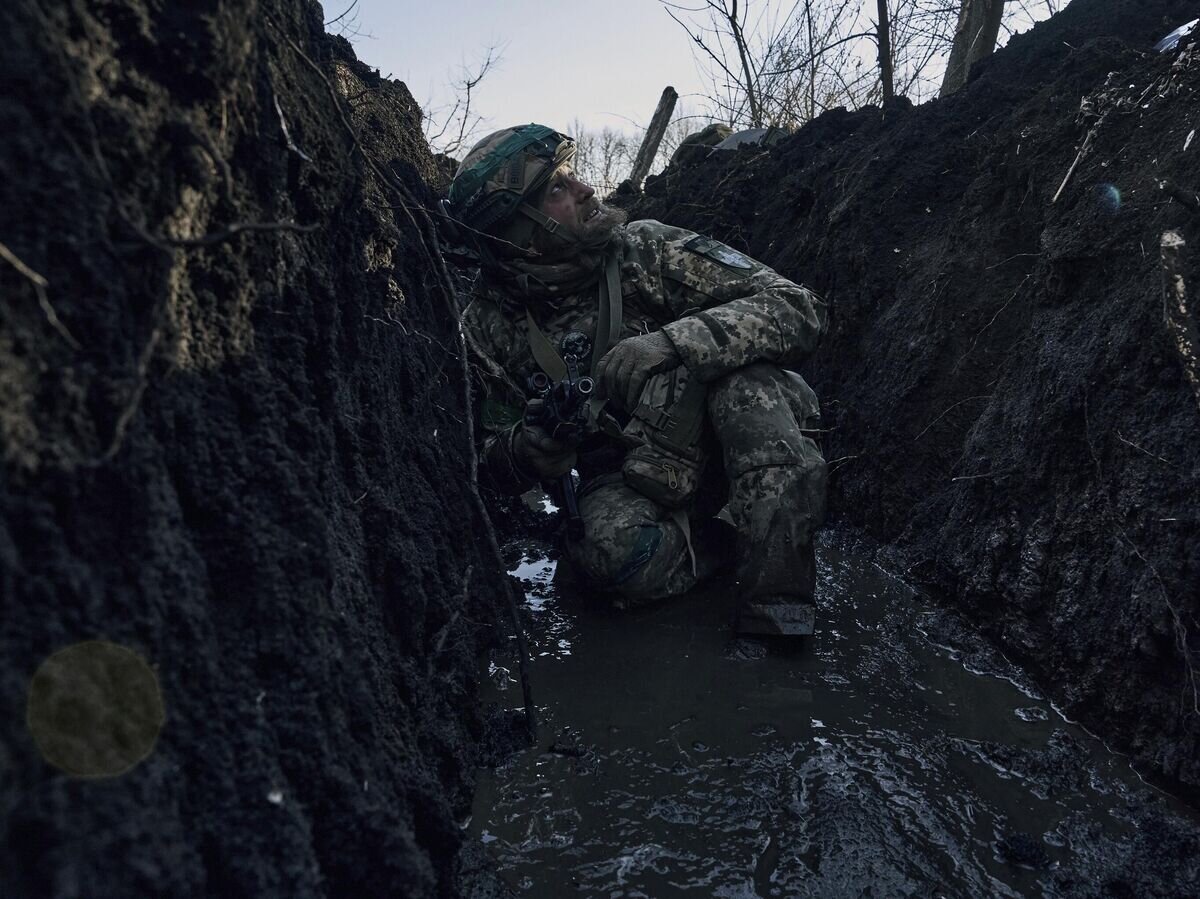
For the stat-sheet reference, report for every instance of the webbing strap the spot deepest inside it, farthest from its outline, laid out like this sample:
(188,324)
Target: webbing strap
(543,350)
(608,323)
(679,424)
(538,216)
(608,330)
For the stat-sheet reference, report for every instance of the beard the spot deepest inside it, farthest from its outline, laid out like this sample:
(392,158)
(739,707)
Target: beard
(580,238)
(596,230)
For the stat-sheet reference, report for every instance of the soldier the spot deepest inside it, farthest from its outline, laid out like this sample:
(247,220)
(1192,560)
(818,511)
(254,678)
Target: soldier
(694,410)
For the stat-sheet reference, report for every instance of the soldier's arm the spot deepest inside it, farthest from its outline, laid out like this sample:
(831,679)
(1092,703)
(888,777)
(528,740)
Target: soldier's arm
(732,309)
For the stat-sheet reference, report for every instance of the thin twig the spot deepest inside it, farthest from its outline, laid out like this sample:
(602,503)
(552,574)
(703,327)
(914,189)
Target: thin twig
(982,396)
(1087,143)
(349,9)
(1140,449)
(39,286)
(991,322)
(987,474)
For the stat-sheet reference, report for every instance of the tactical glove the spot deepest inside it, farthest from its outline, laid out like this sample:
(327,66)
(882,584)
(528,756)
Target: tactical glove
(539,454)
(624,370)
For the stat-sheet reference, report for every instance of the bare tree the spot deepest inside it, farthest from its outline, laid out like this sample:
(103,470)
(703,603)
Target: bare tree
(452,128)
(346,21)
(773,64)
(783,62)
(603,158)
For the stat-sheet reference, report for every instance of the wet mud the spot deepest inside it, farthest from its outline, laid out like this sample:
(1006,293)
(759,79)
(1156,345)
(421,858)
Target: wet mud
(891,754)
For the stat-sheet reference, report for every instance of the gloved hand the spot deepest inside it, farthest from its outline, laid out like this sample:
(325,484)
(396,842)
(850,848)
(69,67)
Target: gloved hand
(540,454)
(623,371)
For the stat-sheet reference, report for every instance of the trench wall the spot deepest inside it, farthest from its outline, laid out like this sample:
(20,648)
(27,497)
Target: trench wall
(1005,406)
(233,441)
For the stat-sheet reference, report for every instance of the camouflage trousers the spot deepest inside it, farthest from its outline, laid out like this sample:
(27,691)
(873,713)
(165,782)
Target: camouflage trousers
(769,473)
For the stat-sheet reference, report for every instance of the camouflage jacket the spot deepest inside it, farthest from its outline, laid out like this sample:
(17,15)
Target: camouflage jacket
(721,310)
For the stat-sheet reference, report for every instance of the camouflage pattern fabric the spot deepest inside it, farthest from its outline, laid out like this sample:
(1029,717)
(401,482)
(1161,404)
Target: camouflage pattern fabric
(775,482)
(737,325)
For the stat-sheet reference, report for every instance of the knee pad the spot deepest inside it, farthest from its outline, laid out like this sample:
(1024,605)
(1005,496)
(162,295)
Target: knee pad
(614,558)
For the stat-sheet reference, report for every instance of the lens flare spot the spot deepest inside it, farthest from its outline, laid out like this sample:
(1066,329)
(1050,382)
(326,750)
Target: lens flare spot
(1109,197)
(95,709)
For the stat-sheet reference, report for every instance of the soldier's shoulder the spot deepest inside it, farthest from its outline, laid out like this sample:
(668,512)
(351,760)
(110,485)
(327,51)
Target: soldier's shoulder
(649,230)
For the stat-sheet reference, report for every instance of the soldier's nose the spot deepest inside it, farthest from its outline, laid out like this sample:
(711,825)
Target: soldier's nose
(584,191)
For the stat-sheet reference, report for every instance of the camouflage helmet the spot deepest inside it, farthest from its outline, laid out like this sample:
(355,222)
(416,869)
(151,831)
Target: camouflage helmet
(501,176)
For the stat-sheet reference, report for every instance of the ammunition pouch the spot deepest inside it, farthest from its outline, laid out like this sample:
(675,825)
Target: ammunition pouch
(668,457)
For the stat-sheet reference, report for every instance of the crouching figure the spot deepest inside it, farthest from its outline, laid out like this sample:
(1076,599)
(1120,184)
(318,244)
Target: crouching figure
(676,348)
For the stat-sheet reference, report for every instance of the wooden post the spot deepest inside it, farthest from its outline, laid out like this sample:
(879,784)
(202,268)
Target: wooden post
(1179,321)
(883,30)
(654,136)
(974,39)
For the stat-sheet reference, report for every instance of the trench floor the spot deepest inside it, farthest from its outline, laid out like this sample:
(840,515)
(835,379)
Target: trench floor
(891,754)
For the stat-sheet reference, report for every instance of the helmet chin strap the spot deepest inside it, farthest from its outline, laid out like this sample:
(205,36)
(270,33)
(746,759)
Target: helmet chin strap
(548,224)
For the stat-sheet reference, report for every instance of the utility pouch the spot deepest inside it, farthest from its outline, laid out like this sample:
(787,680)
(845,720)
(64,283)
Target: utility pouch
(667,462)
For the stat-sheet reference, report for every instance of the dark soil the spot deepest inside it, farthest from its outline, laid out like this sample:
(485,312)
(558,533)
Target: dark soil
(243,458)
(1004,404)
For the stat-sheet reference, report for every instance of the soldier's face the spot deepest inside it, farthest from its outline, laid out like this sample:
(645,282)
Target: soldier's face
(569,201)
(574,206)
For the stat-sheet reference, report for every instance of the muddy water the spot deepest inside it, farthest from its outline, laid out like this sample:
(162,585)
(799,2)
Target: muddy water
(891,754)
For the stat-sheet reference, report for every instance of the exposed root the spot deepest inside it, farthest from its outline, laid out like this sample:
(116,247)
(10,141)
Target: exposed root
(39,286)
(948,410)
(991,321)
(287,134)
(121,428)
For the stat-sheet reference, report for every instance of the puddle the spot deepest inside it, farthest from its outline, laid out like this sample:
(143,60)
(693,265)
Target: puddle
(891,754)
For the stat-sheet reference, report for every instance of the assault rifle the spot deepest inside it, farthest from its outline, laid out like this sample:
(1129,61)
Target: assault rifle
(563,413)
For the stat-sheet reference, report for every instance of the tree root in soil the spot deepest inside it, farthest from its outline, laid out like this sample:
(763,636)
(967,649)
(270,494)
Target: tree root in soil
(39,285)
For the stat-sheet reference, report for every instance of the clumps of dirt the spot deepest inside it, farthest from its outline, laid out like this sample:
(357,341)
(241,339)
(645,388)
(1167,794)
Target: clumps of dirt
(1006,406)
(234,440)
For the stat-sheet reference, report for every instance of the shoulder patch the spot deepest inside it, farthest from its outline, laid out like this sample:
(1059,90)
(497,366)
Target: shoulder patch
(719,252)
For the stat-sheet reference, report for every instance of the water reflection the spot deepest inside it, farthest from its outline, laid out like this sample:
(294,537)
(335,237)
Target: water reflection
(892,755)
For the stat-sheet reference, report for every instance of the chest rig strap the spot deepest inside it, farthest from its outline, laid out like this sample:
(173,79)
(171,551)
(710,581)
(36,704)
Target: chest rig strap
(608,323)
(544,353)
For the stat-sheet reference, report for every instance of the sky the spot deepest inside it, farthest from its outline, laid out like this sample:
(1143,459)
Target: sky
(603,62)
